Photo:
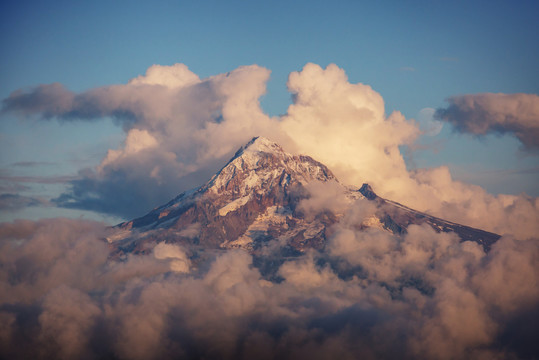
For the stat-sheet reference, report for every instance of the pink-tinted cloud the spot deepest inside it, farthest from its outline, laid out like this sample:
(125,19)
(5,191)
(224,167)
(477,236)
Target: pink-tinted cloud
(181,129)
(344,126)
(373,295)
(480,114)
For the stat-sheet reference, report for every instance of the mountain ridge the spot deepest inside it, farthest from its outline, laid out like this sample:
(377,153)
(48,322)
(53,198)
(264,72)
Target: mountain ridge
(257,197)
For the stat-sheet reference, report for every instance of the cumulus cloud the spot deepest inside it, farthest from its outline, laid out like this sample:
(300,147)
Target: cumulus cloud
(372,295)
(177,257)
(344,126)
(181,129)
(480,114)
(37,257)
(68,315)
(323,196)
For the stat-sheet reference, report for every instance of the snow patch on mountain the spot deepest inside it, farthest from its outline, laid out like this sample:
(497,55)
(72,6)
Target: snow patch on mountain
(234,205)
(374,222)
(274,216)
(264,194)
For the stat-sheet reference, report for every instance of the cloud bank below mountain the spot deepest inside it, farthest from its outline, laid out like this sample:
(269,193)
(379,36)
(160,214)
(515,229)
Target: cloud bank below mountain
(373,295)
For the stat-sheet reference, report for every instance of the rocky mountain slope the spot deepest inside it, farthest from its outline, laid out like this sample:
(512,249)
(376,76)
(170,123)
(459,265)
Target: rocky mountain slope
(255,201)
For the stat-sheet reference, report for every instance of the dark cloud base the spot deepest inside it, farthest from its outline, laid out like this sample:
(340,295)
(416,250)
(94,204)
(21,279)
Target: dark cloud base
(481,114)
(125,195)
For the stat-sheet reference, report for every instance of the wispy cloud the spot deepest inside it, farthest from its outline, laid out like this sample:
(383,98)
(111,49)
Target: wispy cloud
(193,124)
(27,164)
(427,123)
(61,179)
(407,69)
(14,202)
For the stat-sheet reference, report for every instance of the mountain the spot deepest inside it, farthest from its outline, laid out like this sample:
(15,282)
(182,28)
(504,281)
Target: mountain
(256,201)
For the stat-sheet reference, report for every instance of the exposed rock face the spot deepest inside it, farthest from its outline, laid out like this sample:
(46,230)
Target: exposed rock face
(255,198)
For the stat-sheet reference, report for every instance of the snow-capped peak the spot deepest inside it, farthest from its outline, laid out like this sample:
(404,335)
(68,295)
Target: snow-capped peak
(261,163)
(257,196)
(260,144)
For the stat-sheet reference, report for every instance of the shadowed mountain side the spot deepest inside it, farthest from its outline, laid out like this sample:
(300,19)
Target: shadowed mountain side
(398,217)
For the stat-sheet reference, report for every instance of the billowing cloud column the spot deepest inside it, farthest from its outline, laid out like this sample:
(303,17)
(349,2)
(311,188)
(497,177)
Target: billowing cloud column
(344,126)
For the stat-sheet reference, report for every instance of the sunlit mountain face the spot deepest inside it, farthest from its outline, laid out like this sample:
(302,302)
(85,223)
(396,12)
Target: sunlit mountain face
(273,205)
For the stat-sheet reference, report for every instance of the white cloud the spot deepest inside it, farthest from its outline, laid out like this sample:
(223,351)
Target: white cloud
(181,129)
(422,295)
(344,126)
(175,76)
(179,261)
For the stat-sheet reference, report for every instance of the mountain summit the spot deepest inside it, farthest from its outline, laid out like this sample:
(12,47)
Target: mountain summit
(258,199)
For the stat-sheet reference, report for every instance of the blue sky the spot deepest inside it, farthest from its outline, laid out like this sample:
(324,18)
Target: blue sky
(415,54)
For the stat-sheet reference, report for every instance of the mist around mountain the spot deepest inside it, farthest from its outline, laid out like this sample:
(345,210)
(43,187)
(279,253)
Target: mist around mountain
(274,205)
(272,258)
(180,128)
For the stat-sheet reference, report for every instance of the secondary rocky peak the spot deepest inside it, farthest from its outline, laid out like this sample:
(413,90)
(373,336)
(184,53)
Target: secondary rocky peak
(257,198)
(366,190)
(249,156)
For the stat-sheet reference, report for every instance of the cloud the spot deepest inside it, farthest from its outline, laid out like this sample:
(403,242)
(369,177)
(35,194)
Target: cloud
(323,197)
(48,100)
(428,125)
(181,129)
(68,315)
(344,126)
(174,76)
(480,114)
(14,202)
(177,257)
(15,196)
(422,295)
(36,179)
(32,163)
(372,294)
